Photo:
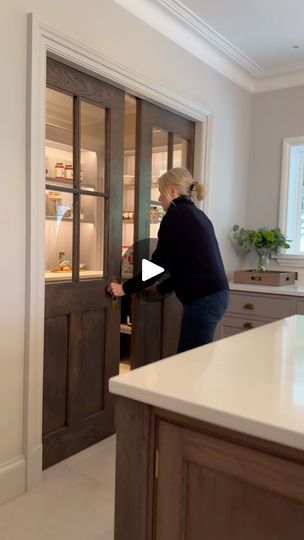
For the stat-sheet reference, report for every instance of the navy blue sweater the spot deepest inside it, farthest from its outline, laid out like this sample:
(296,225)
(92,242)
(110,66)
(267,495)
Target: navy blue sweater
(187,248)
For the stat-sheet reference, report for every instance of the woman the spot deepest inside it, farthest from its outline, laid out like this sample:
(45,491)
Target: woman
(187,248)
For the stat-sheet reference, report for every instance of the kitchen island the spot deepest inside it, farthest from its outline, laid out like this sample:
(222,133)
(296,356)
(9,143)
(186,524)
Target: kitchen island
(210,442)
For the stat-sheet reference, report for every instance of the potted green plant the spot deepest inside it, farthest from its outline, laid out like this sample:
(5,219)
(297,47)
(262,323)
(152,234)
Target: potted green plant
(264,241)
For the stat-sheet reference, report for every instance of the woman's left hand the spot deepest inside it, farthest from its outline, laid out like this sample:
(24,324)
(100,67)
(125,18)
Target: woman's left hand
(115,289)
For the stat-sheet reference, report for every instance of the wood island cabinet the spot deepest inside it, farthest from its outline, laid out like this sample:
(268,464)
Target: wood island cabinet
(180,478)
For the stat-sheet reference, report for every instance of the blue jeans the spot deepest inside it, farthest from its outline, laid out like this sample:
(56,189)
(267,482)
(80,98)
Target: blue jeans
(200,318)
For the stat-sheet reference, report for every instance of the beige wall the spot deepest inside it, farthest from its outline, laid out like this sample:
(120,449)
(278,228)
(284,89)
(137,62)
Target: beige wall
(107,28)
(275,116)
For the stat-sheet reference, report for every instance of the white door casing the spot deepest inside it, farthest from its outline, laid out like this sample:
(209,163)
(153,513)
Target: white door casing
(44,41)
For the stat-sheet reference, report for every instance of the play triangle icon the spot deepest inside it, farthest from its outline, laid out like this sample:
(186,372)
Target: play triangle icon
(150,269)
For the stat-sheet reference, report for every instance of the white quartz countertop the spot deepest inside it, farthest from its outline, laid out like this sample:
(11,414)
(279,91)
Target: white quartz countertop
(251,382)
(289,290)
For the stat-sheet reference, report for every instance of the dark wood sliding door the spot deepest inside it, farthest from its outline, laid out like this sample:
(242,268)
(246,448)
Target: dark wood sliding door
(164,140)
(84,177)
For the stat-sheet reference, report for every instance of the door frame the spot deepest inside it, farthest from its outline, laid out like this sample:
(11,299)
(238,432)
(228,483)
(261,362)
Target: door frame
(44,41)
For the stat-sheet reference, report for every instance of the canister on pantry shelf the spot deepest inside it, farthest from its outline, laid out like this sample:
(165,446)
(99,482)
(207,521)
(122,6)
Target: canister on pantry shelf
(68,172)
(59,170)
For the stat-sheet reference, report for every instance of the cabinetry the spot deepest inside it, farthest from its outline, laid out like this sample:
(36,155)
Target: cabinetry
(252,309)
(191,479)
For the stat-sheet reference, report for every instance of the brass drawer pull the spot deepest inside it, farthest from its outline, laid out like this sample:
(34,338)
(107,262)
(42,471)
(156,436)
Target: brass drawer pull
(248,325)
(248,306)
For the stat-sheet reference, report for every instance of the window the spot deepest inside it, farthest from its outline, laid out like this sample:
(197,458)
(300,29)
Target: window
(292,194)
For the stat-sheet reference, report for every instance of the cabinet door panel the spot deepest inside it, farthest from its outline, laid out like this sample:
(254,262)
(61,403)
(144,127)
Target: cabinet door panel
(214,490)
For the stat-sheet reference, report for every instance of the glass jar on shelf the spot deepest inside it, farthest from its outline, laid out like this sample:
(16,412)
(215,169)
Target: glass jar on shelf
(52,202)
(59,170)
(68,172)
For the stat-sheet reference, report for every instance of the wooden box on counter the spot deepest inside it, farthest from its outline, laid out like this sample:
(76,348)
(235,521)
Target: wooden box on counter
(270,277)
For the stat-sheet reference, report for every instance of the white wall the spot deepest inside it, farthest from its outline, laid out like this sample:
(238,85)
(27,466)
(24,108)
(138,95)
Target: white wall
(105,27)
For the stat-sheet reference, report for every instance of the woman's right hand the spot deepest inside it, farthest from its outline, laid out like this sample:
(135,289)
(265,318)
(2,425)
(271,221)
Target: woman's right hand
(115,289)
(152,289)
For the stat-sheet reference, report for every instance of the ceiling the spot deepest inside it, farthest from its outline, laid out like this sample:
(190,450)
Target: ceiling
(250,41)
(263,30)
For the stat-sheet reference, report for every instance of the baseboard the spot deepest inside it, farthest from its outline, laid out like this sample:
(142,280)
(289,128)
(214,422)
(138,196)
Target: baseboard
(34,468)
(12,478)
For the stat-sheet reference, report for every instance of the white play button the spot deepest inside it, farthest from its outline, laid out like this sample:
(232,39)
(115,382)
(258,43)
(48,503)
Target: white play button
(150,269)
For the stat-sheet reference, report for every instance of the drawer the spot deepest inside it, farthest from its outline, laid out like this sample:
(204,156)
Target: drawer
(299,307)
(259,305)
(234,325)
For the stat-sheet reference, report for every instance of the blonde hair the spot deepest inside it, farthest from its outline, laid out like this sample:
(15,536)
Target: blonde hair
(183,181)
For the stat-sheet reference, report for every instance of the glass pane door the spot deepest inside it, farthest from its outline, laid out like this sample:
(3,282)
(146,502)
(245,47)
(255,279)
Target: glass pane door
(92,232)
(84,174)
(160,155)
(58,174)
(93,147)
(128,214)
(180,149)
(93,154)
(75,172)
(160,136)
(168,150)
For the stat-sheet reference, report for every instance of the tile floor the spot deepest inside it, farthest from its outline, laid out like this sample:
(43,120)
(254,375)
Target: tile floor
(75,500)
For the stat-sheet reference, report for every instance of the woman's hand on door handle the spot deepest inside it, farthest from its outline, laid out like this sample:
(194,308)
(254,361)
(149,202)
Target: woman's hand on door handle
(115,289)
(152,290)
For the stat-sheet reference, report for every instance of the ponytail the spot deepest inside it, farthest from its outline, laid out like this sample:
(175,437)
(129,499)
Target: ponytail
(199,190)
(182,179)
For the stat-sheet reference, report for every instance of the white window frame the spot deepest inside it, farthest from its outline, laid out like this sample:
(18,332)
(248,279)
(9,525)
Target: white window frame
(296,258)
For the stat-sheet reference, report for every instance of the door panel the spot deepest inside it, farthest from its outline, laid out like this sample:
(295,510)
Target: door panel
(56,347)
(93,361)
(171,322)
(155,325)
(146,337)
(82,322)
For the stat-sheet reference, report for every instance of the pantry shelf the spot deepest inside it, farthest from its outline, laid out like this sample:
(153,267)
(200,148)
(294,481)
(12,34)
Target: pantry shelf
(67,182)
(70,219)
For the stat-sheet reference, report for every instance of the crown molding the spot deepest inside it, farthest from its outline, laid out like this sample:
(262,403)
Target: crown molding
(178,23)
(156,14)
(282,70)
(178,9)
(279,82)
